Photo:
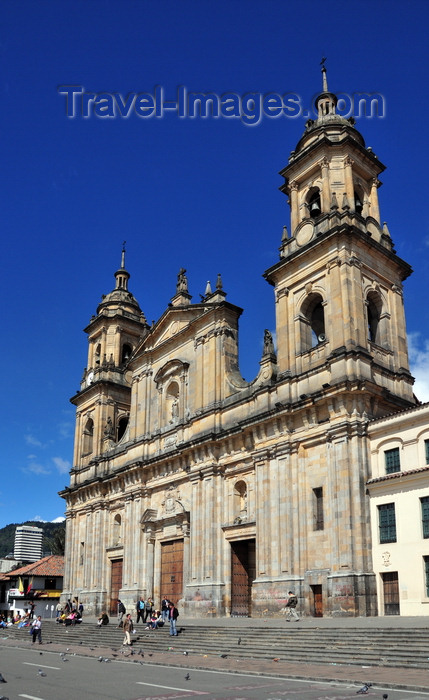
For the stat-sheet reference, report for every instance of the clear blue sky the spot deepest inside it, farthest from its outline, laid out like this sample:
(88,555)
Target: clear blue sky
(195,193)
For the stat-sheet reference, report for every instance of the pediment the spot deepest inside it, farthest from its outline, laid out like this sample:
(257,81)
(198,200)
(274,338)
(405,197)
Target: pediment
(172,323)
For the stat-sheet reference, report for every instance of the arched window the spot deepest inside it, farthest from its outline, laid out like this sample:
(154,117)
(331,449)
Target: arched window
(240,500)
(122,426)
(117,529)
(314,203)
(126,352)
(88,437)
(312,321)
(374,310)
(358,202)
(97,354)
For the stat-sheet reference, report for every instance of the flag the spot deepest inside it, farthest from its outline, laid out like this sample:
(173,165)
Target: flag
(20,585)
(30,586)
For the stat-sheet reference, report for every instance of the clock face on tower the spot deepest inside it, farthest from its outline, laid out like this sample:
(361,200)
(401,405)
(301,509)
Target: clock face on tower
(89,378)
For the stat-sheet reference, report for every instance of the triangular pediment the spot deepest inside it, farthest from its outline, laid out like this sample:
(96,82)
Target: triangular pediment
(172,323)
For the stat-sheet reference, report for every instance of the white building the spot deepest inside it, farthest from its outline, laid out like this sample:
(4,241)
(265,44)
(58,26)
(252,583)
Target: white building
(28,543)
(399,502)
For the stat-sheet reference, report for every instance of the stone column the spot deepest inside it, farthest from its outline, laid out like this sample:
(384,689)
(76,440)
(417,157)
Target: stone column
(326,189)
(150,559)
(348,179)
(197,528)
(374,209)
(294,208)
(89,554)
(263,531)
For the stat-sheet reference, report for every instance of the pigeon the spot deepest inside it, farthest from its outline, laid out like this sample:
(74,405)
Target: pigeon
(385,696)
(107,661)
(187,677)
(100,658)
(40,653)
(64,659)
(41,673)
(239,640)
(185,653)
(2,679)
(3,697)
(223,656)
(364,689)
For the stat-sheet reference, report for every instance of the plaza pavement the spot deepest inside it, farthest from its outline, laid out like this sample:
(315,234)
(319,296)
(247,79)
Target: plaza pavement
(381,677)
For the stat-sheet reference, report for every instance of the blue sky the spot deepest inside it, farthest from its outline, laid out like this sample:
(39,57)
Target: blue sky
(195,193)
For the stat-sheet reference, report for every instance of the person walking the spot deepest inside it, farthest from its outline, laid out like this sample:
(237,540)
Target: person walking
(173,614)
(128,628)
(140,610)
(291,604)
(36,630)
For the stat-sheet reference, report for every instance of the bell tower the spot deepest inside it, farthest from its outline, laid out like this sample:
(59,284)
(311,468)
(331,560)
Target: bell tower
(338,284)
(103,402)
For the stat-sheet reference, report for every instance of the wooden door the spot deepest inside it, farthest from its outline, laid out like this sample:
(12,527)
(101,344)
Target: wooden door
(317,601)
(115,585)
(391,593)
(172,570)
(243,566)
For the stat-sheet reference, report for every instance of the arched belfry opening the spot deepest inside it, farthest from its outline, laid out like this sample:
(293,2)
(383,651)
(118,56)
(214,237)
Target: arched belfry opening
(88,437)
(126,352)
(312,322)
(376,319)
(122,426)
(359,199)
(314,204)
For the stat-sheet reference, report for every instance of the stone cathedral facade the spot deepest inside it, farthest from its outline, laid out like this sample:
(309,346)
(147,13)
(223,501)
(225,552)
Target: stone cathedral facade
(222,494)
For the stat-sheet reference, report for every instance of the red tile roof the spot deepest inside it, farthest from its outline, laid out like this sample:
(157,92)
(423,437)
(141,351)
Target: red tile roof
(48,566)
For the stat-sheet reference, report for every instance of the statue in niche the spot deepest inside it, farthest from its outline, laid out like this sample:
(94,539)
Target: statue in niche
(108,430)
(175,410)
(268,343)
(182,281)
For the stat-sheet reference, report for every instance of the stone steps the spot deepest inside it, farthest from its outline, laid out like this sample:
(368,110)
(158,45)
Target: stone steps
(397,647)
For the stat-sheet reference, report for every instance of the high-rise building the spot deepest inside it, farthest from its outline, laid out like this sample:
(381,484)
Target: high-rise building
(222,494)
(28,543)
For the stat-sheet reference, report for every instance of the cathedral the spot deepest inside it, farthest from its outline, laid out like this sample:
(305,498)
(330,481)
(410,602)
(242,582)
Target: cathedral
(221,494)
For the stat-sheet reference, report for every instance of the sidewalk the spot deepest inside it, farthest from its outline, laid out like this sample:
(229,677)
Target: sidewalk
(380,677)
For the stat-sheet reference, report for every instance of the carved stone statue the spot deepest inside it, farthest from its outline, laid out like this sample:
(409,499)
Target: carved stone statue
(182,281)
(174,411)
(268,343)
(108,430)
